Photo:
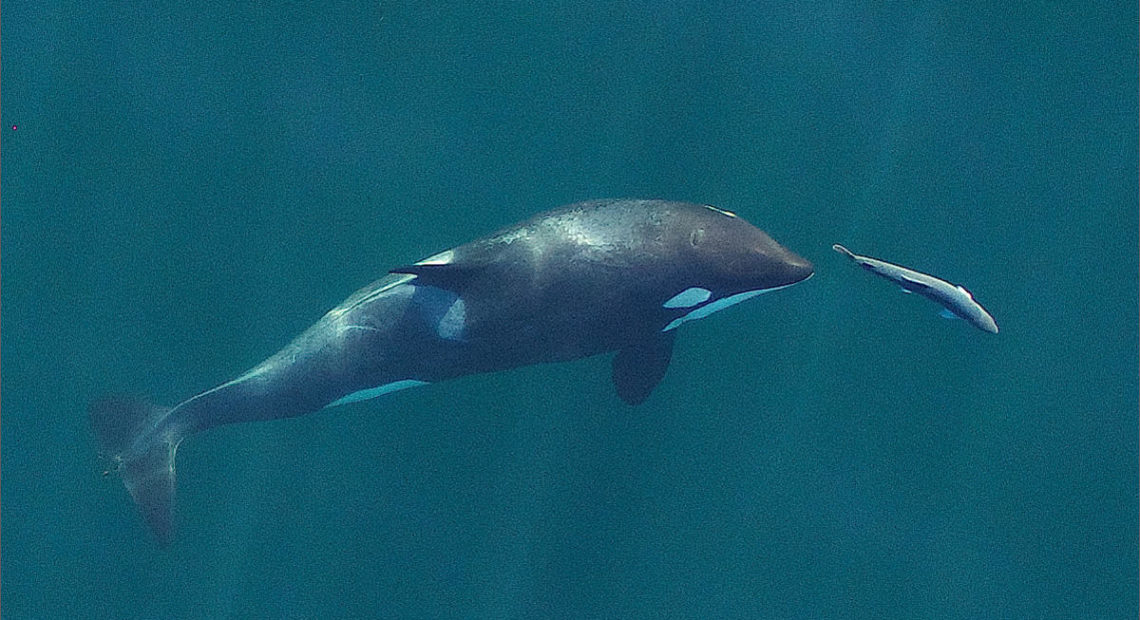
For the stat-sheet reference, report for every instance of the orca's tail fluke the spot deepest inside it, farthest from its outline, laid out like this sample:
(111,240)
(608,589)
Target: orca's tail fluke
(128,432)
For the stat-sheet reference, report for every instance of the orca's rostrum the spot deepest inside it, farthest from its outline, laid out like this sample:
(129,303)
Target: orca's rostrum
(584,279)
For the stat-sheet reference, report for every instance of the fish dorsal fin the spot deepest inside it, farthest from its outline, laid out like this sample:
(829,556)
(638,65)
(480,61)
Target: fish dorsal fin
(910,284)
(639,367)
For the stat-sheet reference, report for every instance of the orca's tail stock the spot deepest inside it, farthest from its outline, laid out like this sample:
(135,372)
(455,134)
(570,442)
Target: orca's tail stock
(127,432)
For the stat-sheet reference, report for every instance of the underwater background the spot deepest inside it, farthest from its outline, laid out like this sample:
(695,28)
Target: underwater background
(186,186)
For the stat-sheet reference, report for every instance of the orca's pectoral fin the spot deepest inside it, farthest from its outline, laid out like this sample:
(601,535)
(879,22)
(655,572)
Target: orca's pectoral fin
(638,368)
(947,313)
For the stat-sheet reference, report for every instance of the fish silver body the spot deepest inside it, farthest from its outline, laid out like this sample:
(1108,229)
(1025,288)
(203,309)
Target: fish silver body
(584,279)
(953,297)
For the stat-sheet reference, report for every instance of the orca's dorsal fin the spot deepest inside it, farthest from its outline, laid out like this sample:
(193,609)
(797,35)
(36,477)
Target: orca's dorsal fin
(457,269)
(639,367)
(449,277)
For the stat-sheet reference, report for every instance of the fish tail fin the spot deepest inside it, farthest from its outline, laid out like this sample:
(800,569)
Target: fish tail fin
(125,429)
(844,251)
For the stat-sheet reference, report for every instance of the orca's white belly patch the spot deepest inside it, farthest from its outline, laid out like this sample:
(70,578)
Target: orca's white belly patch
(444,311)
(701,312)
(380,390)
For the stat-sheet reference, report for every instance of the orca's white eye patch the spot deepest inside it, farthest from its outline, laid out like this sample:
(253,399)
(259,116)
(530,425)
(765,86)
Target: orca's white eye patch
(707,309)
(688,298)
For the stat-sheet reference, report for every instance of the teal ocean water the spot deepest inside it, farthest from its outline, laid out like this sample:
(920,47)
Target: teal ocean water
(186,187)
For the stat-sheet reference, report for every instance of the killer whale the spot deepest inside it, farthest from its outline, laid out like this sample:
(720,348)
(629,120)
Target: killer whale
(583,279)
